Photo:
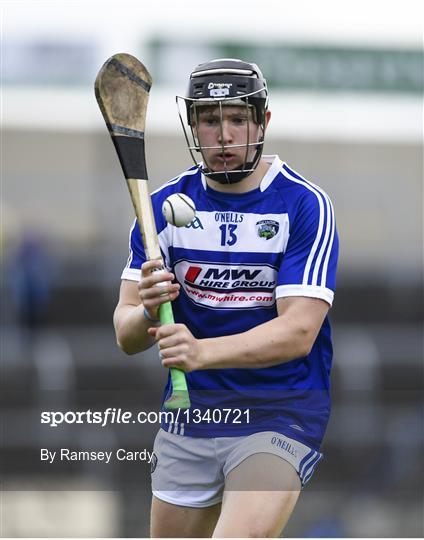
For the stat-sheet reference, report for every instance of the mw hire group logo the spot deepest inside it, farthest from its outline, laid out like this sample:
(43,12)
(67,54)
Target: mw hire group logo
(227,286)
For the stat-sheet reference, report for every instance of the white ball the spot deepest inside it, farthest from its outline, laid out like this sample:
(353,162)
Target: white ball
(178,209)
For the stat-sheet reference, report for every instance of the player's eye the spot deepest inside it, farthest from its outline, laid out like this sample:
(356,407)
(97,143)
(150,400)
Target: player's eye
(211,121)
(239,120)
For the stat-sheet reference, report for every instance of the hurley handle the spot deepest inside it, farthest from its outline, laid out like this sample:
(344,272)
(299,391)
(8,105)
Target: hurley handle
(180,398)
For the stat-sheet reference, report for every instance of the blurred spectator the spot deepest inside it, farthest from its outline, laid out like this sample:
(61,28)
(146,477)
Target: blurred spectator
(30,280)
(329,527)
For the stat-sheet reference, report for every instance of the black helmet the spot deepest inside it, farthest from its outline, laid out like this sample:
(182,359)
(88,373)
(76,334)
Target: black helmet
(227,81)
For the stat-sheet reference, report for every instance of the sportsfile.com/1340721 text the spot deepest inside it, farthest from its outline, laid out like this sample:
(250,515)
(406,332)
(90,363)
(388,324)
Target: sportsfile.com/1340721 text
(113,415)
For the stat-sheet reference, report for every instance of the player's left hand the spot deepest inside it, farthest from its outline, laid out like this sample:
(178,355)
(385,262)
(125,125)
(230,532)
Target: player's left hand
(177,346)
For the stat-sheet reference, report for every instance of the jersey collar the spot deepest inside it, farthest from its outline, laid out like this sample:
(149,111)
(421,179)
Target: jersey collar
(267,180)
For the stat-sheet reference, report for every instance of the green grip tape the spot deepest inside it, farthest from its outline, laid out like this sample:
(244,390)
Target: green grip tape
(180,398)
(165,313)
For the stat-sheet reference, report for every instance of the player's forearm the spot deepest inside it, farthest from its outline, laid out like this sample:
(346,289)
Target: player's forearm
(277,341)
(131,329)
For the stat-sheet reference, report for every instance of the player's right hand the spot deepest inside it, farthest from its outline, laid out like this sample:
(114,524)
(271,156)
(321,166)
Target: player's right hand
(155,287)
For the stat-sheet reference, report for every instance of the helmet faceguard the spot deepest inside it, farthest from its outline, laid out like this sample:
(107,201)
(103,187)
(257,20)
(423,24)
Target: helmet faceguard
(221,83)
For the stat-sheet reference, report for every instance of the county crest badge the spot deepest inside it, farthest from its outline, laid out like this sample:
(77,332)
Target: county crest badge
(267,228)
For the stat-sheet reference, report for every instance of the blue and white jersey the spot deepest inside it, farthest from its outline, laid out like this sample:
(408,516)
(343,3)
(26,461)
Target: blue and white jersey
(239,254)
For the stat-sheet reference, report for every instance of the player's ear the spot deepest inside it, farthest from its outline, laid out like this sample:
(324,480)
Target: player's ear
(267,117)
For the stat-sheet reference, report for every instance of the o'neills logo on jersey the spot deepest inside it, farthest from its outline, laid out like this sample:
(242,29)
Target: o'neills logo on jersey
(227,286)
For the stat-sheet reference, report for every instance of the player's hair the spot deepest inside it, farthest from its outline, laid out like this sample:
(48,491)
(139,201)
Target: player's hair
(224,82)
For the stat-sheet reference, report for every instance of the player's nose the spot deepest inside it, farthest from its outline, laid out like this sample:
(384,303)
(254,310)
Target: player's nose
(225,135)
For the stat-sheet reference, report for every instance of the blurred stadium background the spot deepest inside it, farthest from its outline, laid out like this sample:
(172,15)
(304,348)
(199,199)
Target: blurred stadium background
(346,82)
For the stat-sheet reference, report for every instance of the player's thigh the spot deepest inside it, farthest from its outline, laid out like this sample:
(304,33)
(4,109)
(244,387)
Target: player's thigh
(169,520)
(255,514)
(259,498)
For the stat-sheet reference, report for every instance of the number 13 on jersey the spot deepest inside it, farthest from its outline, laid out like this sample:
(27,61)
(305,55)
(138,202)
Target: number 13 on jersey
(228,236)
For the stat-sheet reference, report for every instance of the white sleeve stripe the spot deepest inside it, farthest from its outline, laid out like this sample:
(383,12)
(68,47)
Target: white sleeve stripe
(327,240)
(320,226)
(329,233)
(131,254)
(323,244)
(330,247)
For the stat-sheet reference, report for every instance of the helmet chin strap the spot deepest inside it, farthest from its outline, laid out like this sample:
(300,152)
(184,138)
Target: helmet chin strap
(229,177)
(233,177)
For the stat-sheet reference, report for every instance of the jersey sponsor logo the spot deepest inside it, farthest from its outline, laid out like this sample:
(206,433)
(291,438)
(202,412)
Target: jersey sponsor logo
(227,286)
(267,228)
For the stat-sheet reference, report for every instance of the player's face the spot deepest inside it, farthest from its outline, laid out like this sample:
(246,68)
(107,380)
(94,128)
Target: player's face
(223,135)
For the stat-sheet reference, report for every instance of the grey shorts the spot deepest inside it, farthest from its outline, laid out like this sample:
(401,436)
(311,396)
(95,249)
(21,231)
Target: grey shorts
(190,471)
